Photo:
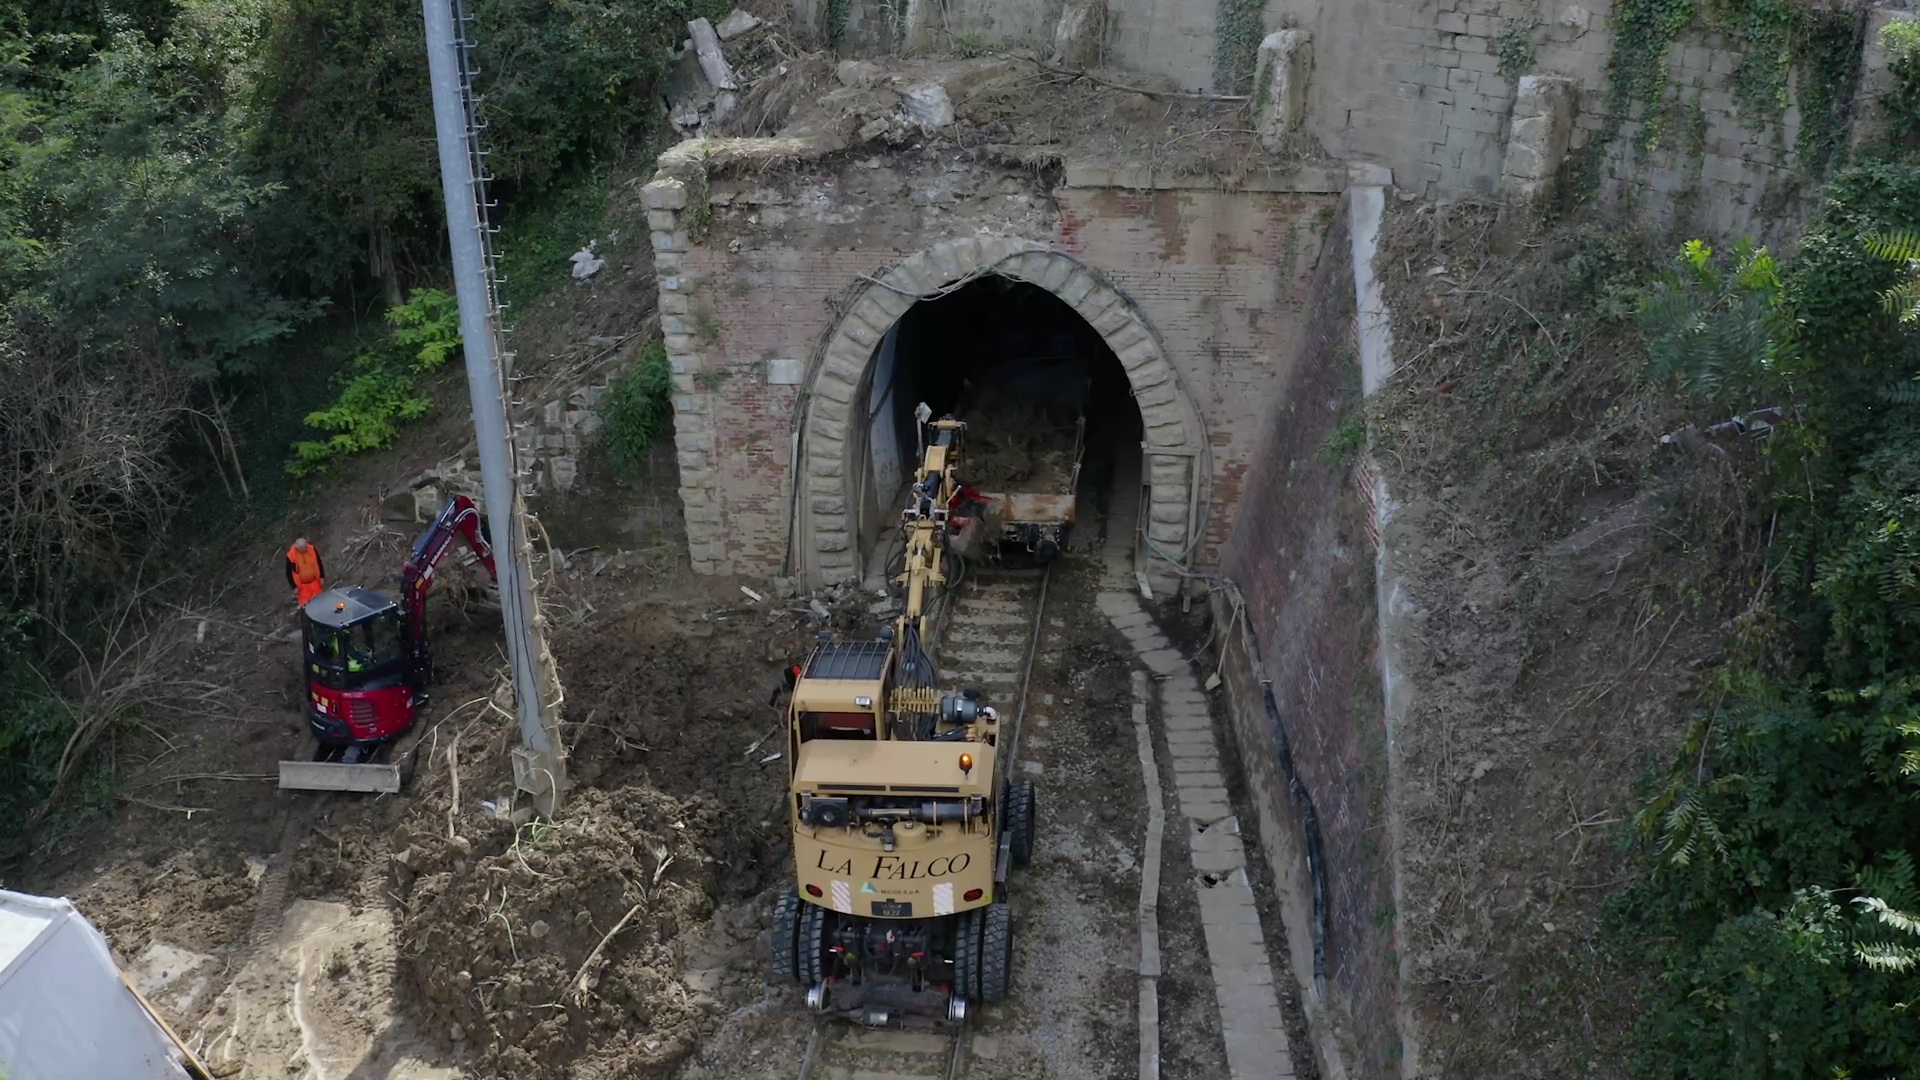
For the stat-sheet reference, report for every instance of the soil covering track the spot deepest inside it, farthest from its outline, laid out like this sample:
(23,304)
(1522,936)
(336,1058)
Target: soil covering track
(871,1053)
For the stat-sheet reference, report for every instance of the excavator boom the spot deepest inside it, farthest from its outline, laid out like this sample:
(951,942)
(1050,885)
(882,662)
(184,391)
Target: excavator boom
(924,576)
(459,518)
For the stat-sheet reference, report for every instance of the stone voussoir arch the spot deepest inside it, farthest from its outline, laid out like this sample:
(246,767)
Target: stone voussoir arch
(1176,463)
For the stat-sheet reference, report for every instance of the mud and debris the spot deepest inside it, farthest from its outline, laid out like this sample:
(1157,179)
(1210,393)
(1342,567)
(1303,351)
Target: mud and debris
(502,927)
(1017,108)
(1019,447)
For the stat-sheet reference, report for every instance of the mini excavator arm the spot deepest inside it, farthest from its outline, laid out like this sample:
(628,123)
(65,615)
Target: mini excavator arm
(460,517)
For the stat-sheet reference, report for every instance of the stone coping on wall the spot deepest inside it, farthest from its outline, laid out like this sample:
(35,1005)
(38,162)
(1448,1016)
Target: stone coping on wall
(717,157)
(1316,178)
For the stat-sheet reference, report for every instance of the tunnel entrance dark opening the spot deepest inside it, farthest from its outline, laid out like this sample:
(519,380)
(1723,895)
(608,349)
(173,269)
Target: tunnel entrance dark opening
(1021,367)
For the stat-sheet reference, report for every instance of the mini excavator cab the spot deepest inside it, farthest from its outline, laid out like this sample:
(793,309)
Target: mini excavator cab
(360,683)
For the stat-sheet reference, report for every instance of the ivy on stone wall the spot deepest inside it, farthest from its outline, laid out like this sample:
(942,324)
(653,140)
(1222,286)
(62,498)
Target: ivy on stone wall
(1637,70)
(1828,56)
(1901,40)
(1768,31)
(1515,49)
(1777,39)
(838,14)
(1238,27)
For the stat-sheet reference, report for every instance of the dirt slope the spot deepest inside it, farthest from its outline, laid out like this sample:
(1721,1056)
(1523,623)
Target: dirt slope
(1567,576)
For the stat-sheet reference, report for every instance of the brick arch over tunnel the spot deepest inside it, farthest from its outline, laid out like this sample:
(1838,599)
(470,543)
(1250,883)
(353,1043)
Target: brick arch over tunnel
(1175,463)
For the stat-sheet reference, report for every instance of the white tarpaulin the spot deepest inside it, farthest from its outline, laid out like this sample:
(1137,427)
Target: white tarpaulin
(65,1014)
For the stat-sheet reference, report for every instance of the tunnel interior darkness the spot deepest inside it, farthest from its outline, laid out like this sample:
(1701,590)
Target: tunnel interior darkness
(994,339)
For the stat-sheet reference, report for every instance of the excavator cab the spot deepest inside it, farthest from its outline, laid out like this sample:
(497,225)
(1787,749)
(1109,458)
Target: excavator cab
(360,685)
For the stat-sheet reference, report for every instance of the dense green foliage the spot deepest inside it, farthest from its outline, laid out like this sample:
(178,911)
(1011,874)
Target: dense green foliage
(1901,40)
(344,118)
(1786,836)
(34,722)
(638,408)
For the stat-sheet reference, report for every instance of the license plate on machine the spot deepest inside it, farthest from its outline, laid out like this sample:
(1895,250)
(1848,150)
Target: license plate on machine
(892,909)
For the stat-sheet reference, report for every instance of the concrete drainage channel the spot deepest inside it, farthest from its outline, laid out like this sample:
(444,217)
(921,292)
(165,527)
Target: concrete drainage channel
(1252,1025)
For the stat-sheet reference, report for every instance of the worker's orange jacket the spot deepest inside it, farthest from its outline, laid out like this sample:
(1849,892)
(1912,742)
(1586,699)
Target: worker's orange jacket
(304,573)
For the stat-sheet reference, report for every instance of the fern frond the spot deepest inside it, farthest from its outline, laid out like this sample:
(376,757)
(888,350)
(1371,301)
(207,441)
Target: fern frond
(1900,393)
(1893,959)
(1903,300)
(1900,245)
(1888,916)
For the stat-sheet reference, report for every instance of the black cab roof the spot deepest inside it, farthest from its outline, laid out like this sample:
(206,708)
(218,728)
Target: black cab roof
(340,608)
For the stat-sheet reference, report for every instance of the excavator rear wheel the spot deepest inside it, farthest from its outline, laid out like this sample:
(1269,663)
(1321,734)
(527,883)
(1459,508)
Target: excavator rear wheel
(966,955)
(784,952)
(996,948)
(812,963)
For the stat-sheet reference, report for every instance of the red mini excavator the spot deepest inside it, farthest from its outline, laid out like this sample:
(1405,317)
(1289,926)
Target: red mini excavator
(367,666)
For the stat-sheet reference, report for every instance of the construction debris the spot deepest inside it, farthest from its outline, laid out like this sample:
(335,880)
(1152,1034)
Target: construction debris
(736,23)
(928,105)
(586,263)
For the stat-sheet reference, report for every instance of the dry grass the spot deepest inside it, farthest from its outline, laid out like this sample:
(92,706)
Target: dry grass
(132,667)
(1013,107)
(1571,576)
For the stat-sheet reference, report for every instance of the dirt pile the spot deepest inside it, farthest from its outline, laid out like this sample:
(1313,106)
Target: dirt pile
(503,927)
(1013,106)
(1017,446)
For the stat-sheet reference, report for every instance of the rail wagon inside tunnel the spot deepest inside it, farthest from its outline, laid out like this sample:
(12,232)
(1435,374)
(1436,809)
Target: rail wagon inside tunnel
(1053,431)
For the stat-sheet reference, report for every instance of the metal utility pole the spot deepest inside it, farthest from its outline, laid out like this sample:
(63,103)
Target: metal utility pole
(539,763)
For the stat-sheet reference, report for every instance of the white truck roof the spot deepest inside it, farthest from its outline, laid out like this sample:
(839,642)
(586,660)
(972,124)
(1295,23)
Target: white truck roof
(65,1012)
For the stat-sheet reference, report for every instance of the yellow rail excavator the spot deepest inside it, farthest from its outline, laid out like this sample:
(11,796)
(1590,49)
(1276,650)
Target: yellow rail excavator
(905,825)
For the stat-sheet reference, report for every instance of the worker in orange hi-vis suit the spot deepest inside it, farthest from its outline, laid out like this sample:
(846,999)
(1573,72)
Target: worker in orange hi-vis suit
(304,574)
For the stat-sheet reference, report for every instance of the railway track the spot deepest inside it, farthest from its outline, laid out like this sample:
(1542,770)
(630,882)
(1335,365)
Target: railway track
(988,644)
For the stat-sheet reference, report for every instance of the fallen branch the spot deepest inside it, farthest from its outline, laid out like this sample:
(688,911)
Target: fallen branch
(580,977)
(184,777)
(150,804)
(453,770)
(1179,95)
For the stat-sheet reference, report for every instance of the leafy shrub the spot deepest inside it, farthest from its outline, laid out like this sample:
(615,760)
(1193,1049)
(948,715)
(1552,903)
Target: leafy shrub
(1780,852)
(1707,325)
(638,409)
(1783,994)
(381,389)
(1347,438)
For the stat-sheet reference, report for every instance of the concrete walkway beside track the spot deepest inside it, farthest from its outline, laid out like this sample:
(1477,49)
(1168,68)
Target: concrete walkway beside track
(1251,1020)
